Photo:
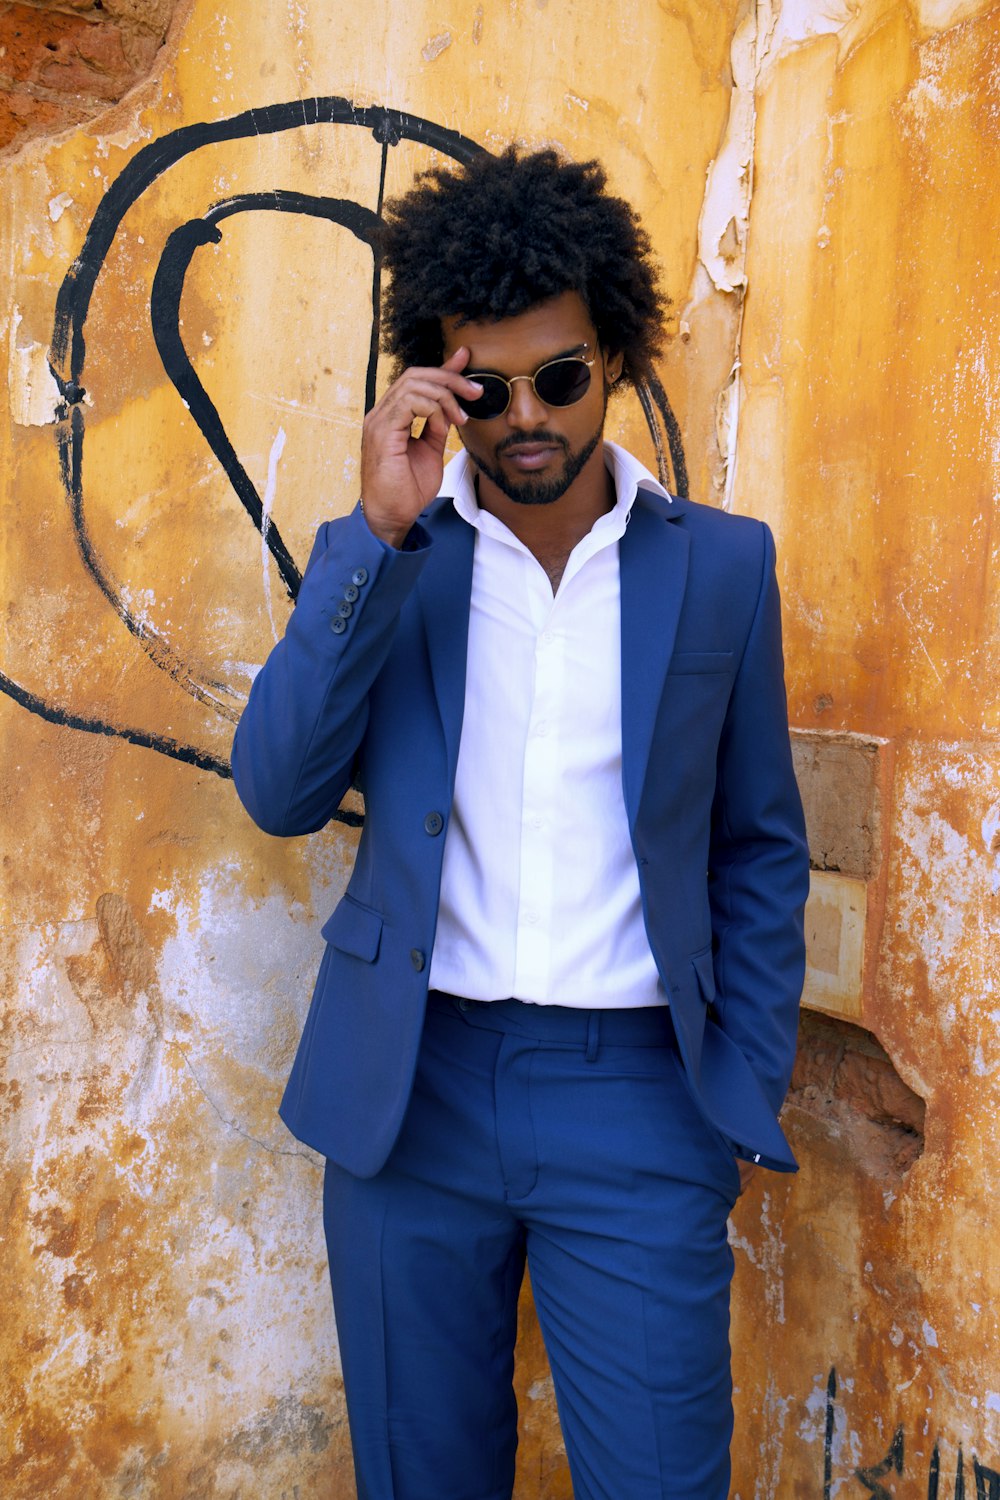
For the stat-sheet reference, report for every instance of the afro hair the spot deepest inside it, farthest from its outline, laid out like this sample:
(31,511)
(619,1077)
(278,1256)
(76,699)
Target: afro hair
(505,233)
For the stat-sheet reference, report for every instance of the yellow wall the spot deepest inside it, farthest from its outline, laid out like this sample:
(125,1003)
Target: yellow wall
(168,1329)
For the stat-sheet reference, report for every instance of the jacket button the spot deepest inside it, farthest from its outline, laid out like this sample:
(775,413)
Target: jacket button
(417,959)
(359,577)
(338,625)
(345,610)
(433,823)
(351,593)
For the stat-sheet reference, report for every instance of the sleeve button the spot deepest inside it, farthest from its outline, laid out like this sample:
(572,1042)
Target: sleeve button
(359,577)
(338,625)
(345,610)
(433,823)
(351,593)
(418,959)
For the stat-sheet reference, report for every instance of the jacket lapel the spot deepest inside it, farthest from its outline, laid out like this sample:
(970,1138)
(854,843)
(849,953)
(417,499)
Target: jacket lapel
(445,589)
(653,563)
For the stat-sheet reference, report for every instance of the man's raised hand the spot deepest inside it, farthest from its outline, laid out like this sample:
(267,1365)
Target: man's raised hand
(400,473)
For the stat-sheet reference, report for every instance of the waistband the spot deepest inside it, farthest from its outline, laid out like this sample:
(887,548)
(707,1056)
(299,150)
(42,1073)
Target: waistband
(565,1025)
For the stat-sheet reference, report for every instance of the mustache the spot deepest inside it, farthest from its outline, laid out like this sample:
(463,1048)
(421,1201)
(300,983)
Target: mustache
(529,440)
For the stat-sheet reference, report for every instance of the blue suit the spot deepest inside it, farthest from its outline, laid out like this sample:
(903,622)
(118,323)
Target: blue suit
(375,699)
(563,1136)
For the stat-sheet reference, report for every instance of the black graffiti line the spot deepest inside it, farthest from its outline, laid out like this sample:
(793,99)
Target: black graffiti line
(985,1477)
(176,749)
(892,1463)
(165,301)
(72,306)
(831,1397)
(73,300)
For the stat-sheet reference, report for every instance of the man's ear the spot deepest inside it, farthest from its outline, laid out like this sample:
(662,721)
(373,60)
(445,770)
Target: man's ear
(613,365)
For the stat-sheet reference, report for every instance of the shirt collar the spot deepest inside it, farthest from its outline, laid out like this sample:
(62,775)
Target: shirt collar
(628,473)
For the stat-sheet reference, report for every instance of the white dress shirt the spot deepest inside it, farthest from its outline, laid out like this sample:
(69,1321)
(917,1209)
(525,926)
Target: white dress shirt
(540,892)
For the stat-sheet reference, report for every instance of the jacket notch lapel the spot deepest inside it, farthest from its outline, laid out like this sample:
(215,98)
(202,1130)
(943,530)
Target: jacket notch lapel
(445,590)
(653,564)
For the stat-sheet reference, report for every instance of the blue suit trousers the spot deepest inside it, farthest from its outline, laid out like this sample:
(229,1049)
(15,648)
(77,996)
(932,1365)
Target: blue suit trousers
(567,1139)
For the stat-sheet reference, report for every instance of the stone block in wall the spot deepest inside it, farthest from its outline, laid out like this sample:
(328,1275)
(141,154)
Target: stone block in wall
(841,778)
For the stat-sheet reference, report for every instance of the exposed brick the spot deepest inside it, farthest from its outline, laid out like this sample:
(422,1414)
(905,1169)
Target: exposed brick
(846,1082)
(21,115)
(63,54)
(60,63)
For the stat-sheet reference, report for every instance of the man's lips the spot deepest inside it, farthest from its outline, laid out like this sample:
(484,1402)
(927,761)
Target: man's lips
(530,455)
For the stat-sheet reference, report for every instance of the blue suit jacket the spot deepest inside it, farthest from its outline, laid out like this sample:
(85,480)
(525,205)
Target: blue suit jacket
(373,696)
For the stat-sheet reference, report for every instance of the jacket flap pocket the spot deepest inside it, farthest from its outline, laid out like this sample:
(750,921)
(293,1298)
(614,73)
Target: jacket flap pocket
(704,967)
(700,661)
(354,929)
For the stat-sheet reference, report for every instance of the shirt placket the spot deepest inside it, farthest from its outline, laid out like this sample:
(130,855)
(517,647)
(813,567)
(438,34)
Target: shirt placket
(536,885)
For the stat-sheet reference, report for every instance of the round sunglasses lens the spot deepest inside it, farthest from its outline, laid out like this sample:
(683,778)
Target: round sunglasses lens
(563,382)
(491,403)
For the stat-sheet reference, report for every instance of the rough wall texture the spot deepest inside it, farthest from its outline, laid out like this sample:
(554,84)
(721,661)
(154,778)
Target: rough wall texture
(819,179)
(63,63)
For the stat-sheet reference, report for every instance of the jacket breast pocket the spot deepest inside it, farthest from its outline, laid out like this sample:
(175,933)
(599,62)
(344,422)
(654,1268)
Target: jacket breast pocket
(692,663)
(354,929)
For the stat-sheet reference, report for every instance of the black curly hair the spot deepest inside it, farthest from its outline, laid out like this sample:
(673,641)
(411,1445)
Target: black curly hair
(504,233)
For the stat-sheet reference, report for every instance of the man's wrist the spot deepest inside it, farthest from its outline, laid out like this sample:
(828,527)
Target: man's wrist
(391,537)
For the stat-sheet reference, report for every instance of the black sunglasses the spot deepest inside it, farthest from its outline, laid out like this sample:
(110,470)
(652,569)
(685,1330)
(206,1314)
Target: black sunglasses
(559,382)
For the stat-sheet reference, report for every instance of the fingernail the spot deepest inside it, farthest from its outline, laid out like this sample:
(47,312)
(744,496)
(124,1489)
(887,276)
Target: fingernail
(476,386)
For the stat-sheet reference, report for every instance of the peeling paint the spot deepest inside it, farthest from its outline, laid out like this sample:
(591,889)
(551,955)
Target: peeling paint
(435,46)
(34,395)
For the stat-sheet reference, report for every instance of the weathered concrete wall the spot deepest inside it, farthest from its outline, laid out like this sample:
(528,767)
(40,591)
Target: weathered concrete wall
(868,437)
(168,1331)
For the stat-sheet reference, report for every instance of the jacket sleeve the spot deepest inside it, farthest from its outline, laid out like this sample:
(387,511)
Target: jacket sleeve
(295,745)
(758,861)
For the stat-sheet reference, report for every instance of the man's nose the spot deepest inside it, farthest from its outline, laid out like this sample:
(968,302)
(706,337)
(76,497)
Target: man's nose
(525,411)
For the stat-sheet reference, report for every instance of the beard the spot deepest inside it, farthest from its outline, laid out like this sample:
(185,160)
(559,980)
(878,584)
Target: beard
(527,489)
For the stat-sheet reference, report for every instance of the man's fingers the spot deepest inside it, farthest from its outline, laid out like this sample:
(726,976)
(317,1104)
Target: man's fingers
(435,430)
(422,399)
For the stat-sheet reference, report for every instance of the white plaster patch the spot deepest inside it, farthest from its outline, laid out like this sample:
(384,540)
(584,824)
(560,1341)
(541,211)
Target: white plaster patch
(993,1400)
(58,206)
(930,1336)
(798,22)
(940,928)
(435,46)
(941,15)
(845,1448)
(930,97)
(767,1481)
(727,422)
(236,992)
(34,395)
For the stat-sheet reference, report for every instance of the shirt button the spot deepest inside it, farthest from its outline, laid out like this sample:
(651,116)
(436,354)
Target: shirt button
(338,625)
(536,823)
(418,959)
(530,918)
(351,593)
(345,610)
(541,729)
(433,823)
(359,577)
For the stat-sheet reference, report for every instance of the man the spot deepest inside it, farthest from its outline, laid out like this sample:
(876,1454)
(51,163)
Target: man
(561,694)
